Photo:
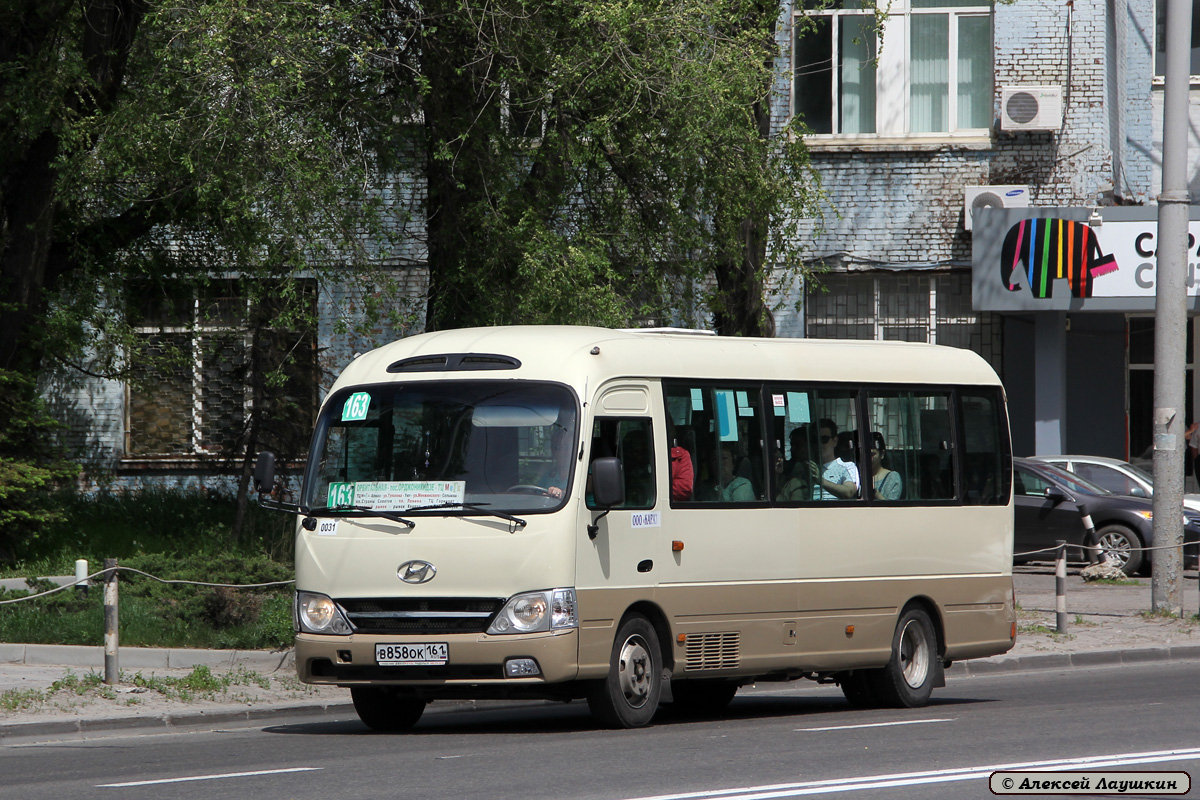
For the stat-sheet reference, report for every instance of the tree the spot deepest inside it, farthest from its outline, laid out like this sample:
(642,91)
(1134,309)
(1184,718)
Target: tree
(621,146)
(575,162)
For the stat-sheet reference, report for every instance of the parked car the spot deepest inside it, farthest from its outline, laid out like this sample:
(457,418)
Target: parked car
(1047,501)
(1119,477)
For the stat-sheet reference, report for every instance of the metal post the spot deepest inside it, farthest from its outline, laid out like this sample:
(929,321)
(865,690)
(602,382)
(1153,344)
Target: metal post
(1170,316)
(1091,545)
(112,671)
(1060,587)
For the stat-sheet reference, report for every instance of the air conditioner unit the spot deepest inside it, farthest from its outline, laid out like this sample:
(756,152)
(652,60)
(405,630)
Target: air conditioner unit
(992,197)
(1030,108)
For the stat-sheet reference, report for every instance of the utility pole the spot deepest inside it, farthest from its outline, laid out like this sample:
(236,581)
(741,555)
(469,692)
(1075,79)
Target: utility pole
(1170,318)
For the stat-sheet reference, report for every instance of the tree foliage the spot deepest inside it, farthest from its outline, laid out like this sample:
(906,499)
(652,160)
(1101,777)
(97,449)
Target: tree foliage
(590,162)
(634,134)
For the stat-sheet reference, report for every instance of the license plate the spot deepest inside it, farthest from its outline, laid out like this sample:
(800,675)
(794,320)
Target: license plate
(407,655)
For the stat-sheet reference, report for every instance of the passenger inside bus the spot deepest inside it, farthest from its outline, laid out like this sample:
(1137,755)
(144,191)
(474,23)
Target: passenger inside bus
(887,483)
(794,473)
(834,478)
(734,488)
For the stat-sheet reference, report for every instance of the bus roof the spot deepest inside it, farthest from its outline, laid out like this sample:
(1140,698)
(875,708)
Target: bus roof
(573,354)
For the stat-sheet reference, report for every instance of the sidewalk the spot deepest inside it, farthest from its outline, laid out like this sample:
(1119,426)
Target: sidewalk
(1106,625)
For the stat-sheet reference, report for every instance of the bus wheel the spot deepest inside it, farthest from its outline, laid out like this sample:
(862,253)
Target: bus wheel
(702,698)
(628,697)
(861,687)
(910,674)
(385,709)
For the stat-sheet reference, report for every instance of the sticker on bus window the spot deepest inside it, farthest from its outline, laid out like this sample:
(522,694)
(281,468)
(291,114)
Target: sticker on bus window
(726,421)
(356,408)
(779,405)
(340,494)
(744,407)
(798,407)
(397,495)
(697,399)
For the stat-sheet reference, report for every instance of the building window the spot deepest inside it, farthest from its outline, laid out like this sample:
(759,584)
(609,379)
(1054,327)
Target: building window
(934,75)
(1160,39)
(1141,386)
(901,306)
(217,372)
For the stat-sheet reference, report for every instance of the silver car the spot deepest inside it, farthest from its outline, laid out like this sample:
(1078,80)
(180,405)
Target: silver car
(1119,477)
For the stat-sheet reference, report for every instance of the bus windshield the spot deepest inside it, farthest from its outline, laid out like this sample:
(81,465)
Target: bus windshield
(443,447)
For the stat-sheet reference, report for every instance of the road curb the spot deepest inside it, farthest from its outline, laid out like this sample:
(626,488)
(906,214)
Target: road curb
(1090,658)
(65,655)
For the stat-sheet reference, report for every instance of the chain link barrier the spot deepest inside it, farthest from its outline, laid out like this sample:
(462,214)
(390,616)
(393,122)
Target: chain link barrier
(104,572)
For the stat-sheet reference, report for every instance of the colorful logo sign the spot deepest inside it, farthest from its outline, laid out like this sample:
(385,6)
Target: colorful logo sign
(1046,250)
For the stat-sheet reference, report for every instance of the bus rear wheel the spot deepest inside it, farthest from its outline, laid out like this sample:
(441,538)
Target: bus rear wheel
(914,668)
(385,709)
(628,697)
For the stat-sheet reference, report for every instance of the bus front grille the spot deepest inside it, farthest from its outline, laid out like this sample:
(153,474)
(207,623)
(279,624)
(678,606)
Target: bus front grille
(416,616)
(712,651)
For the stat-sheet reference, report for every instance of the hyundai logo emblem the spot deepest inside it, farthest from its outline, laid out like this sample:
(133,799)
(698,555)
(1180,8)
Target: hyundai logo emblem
(416,572)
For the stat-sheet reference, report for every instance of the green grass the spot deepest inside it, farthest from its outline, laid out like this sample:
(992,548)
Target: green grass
(169,534)
(200,684)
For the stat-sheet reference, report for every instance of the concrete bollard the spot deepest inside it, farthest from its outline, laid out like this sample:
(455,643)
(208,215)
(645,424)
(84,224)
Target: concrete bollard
(112,670)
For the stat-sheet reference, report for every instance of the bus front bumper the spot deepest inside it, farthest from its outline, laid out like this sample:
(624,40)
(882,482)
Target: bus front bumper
(476,666)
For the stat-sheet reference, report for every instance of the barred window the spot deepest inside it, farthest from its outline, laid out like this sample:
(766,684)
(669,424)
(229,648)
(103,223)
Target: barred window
(925,307)
(209,360)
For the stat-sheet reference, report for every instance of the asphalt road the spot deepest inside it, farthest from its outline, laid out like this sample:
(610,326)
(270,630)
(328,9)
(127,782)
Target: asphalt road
(776,742)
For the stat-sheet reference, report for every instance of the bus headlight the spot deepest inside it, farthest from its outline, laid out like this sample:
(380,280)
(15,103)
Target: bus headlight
(317,613)
(533,612)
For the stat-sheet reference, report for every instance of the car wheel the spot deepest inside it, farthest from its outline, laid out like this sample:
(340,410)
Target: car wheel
(1122,547)
(628,697)
(914,668)
(385,709)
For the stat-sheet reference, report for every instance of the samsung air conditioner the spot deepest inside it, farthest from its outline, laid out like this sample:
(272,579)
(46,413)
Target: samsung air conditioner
(992,197)
(1030,108)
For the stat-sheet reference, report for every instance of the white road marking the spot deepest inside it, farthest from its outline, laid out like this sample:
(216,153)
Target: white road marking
(784,790)
(208,777)
(871,725)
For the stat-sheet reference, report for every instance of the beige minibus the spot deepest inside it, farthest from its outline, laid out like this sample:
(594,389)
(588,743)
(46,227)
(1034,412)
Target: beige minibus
(638,518)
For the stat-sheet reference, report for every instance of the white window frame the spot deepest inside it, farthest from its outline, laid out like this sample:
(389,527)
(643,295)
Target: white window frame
(893,74)
(197,330)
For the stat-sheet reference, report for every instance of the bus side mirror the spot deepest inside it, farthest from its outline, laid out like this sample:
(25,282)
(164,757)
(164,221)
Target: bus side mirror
(608,482)
(264,472)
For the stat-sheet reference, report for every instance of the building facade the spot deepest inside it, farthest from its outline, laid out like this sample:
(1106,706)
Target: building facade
(946,107)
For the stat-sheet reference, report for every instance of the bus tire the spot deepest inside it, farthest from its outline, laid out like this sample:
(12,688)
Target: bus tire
(628,697)
(385,709)
(702,698)
(861,687)
(908,678)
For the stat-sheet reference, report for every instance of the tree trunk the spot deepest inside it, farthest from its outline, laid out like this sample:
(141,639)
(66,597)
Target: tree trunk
(741,305)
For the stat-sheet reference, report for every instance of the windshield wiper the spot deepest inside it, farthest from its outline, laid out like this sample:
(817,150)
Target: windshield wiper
(393,516)
(478,508)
